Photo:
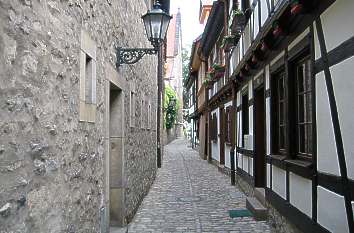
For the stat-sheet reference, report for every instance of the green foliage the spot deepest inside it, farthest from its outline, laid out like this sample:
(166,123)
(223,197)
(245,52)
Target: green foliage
(185,72)
(170,106)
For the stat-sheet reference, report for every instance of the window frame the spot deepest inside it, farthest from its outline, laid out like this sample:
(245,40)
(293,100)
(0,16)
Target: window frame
(291,91)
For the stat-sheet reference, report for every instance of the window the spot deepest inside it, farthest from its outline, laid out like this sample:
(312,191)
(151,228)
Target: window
(303,108)
(149,116)
(132,108)
(87,79)
(142,115)
(279,113)
(293,95)
(245,120)
(228,126)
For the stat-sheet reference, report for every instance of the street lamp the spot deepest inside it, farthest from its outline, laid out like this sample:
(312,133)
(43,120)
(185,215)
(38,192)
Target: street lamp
(156,24)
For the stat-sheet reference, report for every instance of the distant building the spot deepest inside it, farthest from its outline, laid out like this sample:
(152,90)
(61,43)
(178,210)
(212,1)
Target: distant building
(173,70)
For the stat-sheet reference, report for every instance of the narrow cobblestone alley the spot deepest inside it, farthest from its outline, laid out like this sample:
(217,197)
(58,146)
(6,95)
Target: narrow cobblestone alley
(190,195)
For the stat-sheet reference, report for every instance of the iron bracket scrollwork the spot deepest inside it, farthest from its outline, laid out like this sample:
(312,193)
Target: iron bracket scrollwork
(132,55)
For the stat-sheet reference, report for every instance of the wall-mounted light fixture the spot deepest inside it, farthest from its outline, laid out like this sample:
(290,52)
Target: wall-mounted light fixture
(156,24)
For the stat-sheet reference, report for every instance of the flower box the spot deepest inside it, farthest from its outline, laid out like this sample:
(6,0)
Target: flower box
(277,30)
(238,21)
(296,7)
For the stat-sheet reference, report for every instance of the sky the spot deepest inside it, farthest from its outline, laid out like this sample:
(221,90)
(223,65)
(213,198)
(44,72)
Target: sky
(191,28)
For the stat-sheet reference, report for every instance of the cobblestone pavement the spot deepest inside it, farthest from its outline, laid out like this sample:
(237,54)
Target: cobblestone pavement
(190,195)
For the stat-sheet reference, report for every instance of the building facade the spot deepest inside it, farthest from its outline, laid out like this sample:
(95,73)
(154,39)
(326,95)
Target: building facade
(173,72)
(77,148)
(278,80)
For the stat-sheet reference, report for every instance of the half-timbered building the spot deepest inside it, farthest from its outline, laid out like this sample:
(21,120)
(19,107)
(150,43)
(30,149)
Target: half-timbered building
(280,110)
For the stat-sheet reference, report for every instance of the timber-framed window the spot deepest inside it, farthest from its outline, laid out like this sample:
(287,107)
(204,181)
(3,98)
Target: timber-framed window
(304,110)
(213,127)
(292,110)
(279,113)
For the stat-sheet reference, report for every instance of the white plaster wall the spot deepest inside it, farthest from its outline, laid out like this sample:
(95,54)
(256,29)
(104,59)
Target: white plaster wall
(240,160)
(267,84)
(227,147)
(250,109)
(256,22)
(301,193)
(227,156)
(331,212)
(238,130)
(250,89)
(245,164)
(279,181)
(250,122)
(334,20)
(267,77)
(343,82)
(264,12)
(268,125)
(299,38)
(280,56)
(215,149)
(316,43)
(247,37)
(251,166)
(268,175)
(327,160)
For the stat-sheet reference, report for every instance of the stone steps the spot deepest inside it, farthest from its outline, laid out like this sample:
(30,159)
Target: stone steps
(259,193)
(256,208)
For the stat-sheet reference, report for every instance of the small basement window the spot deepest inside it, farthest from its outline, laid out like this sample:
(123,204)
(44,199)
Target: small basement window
(89,80)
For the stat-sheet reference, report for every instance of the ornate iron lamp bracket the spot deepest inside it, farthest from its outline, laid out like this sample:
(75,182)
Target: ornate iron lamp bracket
(133,55)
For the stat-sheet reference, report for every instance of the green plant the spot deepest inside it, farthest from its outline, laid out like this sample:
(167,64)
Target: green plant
(227,39)
(237,12)
(170,105)
(218,67)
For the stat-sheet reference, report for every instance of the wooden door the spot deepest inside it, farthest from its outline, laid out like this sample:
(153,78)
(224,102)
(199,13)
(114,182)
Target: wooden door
(260,161)
(222,134)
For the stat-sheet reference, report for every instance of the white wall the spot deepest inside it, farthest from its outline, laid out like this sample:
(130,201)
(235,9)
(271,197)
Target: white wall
(245,163)
(215,149)
(343,83)
(301,193)
(279,181)
(268,175)
(264,12)
(331,211)
(334,30)
(267,84)
(327,160)
(227,147)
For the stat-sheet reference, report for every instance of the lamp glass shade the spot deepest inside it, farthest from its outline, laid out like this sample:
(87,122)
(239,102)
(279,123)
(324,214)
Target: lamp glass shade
(156,24)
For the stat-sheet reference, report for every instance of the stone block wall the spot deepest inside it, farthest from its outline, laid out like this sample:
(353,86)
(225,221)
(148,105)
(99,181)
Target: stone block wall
(51,163)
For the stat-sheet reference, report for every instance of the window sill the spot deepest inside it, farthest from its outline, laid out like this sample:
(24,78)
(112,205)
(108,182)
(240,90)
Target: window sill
(299,167)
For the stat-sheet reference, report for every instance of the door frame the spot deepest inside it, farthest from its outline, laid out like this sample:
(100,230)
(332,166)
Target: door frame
(259,163)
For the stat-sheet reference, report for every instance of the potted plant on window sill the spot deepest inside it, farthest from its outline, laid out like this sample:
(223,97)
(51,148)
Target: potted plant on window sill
(296,7)
(230,41)
(219,70)
(238,21)
(277,29)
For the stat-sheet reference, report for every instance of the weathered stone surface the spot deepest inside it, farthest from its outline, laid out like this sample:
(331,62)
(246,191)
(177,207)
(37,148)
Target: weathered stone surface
(5,210)
(51,164)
